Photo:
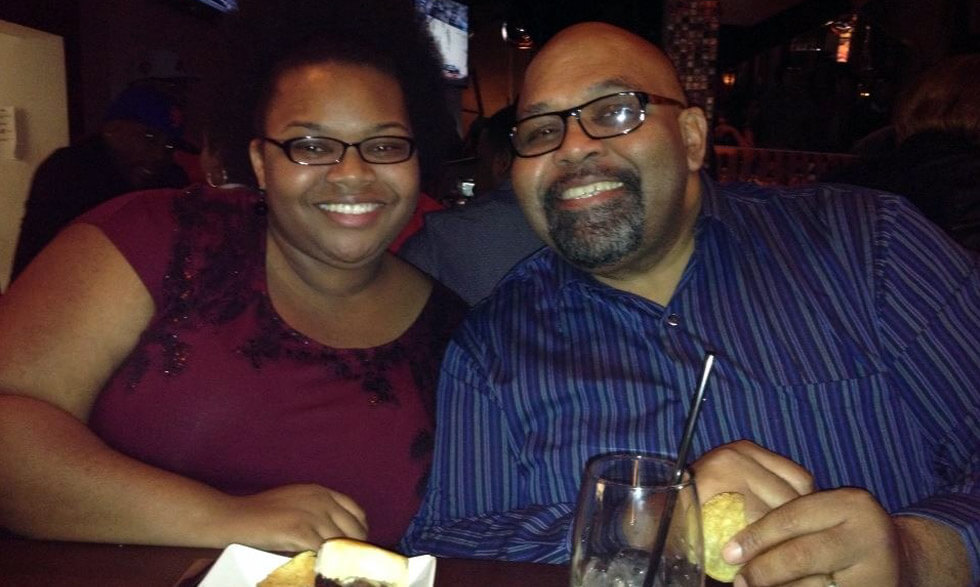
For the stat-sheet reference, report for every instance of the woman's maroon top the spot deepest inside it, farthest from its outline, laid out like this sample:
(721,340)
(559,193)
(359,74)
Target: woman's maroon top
(221,390)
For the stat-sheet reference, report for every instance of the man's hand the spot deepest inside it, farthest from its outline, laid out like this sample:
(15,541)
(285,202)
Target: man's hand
(767,480)
(797,536)
(801,537)
(295,517)
(842,533)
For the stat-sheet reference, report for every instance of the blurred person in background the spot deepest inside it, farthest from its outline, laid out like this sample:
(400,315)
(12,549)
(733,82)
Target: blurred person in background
(935,160)
(134,149)
(469,248)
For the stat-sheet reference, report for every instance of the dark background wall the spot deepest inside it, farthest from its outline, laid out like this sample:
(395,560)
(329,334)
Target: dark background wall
(106,39)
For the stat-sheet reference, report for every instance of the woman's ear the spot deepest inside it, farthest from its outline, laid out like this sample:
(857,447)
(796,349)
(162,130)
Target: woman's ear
(694,132)
(258,161)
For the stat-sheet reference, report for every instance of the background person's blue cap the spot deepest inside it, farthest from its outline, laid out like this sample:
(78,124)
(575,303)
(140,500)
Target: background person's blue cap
(153,108)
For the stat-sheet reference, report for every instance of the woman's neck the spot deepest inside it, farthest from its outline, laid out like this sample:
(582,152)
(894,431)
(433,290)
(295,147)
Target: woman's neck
(357,307)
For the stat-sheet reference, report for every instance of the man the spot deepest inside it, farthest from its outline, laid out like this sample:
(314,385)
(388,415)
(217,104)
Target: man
(843,400)
(470,248)
(133,150)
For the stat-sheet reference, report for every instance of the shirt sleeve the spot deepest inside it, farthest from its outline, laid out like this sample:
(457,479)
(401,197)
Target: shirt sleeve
(418,250)
(141,226)
(425,205)
(929,307)
(475,505)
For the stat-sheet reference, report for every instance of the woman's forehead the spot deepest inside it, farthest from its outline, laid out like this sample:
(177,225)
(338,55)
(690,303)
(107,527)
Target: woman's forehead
(337,96)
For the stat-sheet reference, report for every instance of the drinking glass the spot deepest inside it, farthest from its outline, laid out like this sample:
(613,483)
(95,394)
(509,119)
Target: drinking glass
(617,521)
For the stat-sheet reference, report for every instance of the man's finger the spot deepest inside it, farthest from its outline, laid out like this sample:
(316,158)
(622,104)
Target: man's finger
(789,471)
(802,516)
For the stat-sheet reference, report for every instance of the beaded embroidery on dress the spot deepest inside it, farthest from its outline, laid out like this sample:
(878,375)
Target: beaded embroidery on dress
(216,273)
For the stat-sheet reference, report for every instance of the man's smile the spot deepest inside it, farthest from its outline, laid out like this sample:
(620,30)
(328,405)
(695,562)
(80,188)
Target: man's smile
(589,190)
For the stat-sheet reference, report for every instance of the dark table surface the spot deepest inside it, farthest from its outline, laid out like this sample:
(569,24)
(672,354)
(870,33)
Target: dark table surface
(39,562)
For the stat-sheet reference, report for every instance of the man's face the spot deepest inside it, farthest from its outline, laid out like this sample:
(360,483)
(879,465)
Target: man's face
(143,154)
(620,204)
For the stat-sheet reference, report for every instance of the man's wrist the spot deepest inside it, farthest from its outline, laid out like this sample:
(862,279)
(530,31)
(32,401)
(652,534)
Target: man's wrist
(932,553)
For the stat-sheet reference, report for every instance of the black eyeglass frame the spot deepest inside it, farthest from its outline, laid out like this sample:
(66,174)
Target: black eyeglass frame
(285,146)
(644,98)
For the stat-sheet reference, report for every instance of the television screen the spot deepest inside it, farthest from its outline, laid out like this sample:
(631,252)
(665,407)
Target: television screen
(222,5)
(209,9)
(448,22)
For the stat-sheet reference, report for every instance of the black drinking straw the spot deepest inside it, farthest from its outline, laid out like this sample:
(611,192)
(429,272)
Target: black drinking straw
(692,418)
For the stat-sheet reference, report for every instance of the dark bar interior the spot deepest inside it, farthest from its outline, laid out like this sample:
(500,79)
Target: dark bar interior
(790,87)
(845,324)
(763,49)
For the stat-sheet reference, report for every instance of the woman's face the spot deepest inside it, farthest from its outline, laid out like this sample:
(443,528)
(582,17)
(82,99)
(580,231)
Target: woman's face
(345,214)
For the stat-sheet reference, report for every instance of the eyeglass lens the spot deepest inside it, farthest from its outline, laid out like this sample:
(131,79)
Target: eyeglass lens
(328,151)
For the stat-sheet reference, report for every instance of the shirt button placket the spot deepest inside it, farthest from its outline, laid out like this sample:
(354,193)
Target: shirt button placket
(672,320)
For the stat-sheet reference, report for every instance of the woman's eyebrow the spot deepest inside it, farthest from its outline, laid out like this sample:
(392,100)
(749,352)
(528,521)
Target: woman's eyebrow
(317,128)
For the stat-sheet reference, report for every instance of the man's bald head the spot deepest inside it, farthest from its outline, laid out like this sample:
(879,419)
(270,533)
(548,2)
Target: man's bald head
(620,203)
(592,47)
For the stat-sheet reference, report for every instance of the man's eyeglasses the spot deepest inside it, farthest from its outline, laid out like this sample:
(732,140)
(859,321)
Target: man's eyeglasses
(602,118)
(329,151)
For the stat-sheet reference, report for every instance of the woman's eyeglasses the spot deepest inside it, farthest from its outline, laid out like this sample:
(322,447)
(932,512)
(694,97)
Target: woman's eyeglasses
(380,150)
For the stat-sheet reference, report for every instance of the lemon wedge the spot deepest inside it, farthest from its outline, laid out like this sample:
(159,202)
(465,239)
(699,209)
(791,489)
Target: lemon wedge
(722,517)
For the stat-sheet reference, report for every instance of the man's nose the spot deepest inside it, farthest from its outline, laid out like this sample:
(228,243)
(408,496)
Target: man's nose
(576,145)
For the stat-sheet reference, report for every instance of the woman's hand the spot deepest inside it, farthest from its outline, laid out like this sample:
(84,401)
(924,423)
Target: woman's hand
(295,517)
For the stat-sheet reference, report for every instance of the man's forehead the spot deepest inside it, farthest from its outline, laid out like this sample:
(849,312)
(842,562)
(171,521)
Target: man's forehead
(545,97)
(560,81)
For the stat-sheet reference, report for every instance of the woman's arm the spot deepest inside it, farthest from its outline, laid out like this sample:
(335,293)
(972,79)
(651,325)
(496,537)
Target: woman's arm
(70,319)
(66,324)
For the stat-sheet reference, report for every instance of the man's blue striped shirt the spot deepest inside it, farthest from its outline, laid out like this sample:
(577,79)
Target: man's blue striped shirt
(846,327)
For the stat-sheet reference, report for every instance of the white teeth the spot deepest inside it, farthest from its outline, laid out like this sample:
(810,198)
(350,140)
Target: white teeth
(586,191)
(349,208)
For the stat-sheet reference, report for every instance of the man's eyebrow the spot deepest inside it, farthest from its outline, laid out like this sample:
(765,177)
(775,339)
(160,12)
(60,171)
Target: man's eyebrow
(612,84)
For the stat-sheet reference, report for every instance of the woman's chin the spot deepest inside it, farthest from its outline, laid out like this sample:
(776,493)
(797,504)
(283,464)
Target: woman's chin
(356,257)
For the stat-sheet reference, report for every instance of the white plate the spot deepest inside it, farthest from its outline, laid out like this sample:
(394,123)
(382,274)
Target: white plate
(243,566)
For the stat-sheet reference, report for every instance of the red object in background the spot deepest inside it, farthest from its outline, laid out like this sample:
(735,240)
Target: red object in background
(191,164)
(426,204)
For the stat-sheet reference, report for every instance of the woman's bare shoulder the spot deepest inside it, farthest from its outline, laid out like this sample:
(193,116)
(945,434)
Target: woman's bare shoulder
(70,319)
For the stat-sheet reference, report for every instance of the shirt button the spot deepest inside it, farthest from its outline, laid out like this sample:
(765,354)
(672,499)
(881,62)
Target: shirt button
(673,320)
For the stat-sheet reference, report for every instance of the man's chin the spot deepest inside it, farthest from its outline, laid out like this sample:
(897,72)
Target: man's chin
(590,258)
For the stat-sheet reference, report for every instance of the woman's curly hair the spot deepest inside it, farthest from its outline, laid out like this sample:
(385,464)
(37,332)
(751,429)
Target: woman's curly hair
(267,37)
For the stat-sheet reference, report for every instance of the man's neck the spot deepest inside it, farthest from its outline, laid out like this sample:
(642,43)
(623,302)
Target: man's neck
(658,282)
(656,274)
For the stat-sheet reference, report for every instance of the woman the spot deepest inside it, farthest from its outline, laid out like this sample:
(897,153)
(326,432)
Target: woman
(210,366)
